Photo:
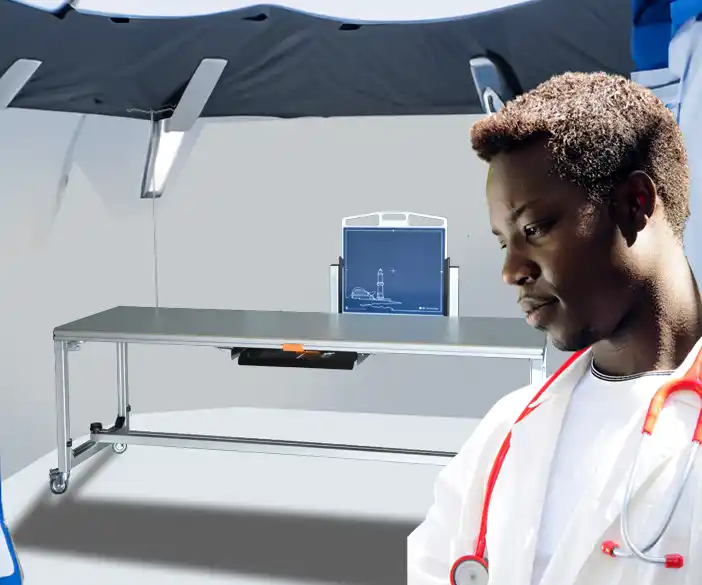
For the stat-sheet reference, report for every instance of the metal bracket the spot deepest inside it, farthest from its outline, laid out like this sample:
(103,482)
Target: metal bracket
(453,295)
(167,135)
(62,11)
(15,78)
(491,101)
(491,84)
(74,345)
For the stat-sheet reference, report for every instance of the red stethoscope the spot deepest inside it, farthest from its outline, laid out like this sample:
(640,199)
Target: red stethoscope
(473,569)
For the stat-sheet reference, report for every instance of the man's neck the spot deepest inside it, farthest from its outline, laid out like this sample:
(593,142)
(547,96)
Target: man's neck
(661,332)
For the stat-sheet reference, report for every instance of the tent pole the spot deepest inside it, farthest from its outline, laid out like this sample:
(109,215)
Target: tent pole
(15,78)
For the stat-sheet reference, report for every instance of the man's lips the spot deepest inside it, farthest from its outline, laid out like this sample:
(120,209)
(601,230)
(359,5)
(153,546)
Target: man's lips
(537,312)
(529,305)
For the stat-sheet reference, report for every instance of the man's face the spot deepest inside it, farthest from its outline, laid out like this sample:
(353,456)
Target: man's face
(563,253)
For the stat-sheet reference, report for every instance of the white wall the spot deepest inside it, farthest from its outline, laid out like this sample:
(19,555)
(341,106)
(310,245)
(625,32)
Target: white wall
(252,222)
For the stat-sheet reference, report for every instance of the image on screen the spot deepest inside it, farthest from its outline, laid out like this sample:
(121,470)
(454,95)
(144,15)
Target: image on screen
(394,270)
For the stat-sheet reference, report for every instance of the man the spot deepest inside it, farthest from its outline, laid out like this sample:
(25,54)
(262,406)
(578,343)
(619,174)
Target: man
(587,194)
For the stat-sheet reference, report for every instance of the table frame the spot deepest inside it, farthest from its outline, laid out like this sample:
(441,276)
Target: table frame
(119,435)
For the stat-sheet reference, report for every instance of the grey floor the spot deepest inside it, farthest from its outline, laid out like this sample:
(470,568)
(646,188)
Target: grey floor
(158,515)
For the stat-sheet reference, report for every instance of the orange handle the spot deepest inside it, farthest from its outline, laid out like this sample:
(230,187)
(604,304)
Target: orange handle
(299,349)
(294,347)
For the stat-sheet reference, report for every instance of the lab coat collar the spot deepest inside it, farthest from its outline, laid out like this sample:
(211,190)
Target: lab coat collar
(569,378)
(690,359)
(564,384)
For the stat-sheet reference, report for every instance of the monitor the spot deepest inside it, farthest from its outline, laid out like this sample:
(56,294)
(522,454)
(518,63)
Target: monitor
(394,270)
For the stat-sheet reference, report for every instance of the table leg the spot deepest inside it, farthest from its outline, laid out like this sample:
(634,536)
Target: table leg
(58,477)
(123,406)
(538,371)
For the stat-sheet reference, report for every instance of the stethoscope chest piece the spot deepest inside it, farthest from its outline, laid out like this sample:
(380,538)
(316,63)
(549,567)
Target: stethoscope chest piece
(469,570)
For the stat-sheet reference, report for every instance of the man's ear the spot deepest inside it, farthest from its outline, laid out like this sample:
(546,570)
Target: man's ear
(632,204)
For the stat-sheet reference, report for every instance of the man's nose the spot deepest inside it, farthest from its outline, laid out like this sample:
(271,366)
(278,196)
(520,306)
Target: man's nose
(519,269)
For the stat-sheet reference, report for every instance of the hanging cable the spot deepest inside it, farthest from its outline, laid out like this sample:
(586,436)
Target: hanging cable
(155,237)
(152,114)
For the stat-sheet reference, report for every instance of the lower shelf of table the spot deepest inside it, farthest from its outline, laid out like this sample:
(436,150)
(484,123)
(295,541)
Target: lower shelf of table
(123,437)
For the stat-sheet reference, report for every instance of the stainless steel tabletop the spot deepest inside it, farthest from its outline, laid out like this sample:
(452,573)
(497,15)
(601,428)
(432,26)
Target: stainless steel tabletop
(373,334)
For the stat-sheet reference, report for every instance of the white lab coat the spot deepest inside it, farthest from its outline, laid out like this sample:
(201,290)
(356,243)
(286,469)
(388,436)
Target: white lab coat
(451,526)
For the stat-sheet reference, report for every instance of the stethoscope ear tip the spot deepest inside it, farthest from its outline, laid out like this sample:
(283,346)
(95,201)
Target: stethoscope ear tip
(609,547)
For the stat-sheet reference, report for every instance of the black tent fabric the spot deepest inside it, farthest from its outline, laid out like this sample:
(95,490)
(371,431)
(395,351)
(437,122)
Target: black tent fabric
(286,64)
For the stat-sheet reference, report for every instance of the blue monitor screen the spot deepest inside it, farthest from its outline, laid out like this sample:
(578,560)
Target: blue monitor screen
(394,270)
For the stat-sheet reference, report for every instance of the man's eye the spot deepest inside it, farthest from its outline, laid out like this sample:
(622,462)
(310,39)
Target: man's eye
(537,229)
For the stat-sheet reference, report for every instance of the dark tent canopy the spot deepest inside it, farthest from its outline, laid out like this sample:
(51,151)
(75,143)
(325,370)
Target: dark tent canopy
(284,63)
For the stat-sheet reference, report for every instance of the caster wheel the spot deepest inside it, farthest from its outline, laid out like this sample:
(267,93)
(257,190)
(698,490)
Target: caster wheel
(58,485)
(119,448)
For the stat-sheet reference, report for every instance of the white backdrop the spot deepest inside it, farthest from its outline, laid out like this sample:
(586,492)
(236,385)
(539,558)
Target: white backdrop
(353,10)
(231,229)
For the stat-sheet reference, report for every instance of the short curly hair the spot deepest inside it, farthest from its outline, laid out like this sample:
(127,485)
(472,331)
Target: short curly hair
(599,128)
